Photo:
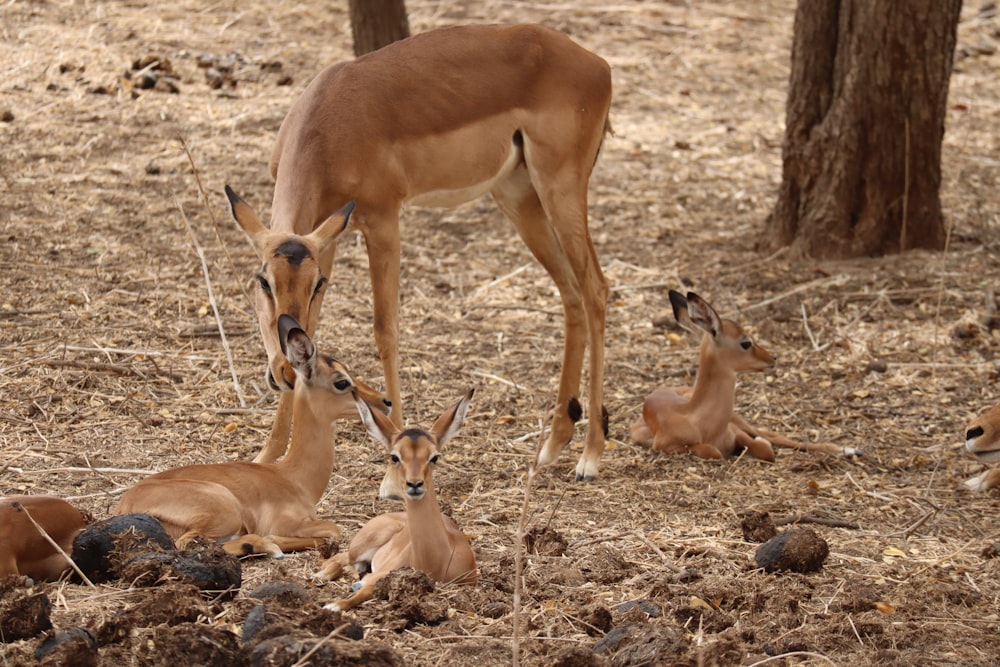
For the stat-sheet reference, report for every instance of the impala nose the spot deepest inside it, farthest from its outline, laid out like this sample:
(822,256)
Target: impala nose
(415,489)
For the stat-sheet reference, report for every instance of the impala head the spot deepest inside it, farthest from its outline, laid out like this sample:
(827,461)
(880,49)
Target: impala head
(319,372)
(413,452)
(290,281)
(982,438)
(730,344)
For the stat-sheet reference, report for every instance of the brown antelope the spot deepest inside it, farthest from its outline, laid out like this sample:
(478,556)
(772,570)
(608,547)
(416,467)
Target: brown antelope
(982,438)
(701,420)
(23,547)
(421,537)
(263,507)
(438,119)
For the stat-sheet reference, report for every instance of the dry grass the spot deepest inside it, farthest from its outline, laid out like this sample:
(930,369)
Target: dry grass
(112,362)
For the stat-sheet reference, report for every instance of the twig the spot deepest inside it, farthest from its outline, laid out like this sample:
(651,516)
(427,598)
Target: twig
(806,654)
(117,369)
(529,485)
(21,508)
(819,282)
(215,306)
(811,518)
(333,633)
(812,339)
(128,471)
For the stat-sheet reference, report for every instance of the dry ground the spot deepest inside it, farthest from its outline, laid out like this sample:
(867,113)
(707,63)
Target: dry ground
(111,358)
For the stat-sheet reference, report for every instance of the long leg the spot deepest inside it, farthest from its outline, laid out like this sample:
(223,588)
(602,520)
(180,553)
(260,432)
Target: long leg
(517,198)
(563,198)
(381,232)
(779,440)
(281,429)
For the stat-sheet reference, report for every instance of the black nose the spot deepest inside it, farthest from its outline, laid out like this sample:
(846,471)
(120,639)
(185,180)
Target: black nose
(974,432)
(415,486)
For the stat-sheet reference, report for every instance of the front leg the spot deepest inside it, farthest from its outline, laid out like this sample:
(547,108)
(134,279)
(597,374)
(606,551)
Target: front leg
(277,442)
(381,232)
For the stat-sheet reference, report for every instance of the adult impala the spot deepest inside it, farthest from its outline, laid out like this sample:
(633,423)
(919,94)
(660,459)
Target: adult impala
(701,420)
(23,547)
(265,508)
(439,119)
(982,438)
(421,537)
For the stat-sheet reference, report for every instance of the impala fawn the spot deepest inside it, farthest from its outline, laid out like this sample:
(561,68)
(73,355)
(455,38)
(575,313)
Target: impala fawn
(439,119)
(421,537)
(23,548)
(701,420)
(264,507)
(982,439)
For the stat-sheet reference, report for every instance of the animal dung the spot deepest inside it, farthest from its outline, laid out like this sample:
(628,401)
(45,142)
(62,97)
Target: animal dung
(795,550)
(103,545)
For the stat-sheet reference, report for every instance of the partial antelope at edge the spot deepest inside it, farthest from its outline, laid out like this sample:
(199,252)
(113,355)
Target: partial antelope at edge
(982,440)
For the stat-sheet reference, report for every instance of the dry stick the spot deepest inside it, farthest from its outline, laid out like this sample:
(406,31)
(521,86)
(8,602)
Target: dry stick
(211,216)
(215,307)
(21,508)
(811,518)
(805,654)
(333,633)
(116,369)
(519,556)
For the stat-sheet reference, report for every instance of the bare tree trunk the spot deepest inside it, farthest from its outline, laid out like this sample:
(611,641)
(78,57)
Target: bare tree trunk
(375,23)
(865,120)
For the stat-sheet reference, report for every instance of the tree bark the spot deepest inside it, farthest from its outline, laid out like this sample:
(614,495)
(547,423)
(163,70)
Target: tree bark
(375,23)
(867,97)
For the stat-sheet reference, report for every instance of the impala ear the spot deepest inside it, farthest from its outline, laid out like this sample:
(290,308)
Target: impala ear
(246,218)
(703,315)
(296,345)
(447,425)
(679,303)
(330,229)
(379,425)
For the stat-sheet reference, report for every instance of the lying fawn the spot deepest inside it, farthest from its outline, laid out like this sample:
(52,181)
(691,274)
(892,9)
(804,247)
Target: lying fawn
(421,537)
(982,439)
(701,420)
(264,507)
(23,548)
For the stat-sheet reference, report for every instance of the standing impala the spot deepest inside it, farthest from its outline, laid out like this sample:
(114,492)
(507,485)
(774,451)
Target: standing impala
(982,439)
(701,420)
(263,507)
(421,537)
(439,119)
(23,547)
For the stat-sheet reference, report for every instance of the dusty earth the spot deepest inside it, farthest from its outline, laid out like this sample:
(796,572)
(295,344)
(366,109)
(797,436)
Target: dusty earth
(112,363)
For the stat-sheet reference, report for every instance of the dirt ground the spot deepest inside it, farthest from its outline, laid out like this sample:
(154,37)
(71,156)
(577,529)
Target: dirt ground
(112,363)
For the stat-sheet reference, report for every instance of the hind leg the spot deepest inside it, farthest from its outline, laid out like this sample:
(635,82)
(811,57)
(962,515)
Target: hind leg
(517,198)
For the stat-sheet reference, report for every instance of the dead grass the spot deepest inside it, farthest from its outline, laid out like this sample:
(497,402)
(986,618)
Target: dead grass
(112,363)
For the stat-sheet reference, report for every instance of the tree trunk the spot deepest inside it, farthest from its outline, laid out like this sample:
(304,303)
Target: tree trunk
(375,23)
(864,123)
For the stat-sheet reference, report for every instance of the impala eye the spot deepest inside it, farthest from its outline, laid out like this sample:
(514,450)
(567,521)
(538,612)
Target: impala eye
(394,458)
(319,285)
(434,459)
(342,384)
(747,344)
(264,285)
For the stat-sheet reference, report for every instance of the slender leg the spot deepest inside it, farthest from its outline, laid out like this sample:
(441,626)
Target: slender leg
(382,238)
(281,429)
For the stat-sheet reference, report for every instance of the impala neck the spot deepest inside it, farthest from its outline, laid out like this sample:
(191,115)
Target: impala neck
(428,538)
(310,456)
(714,389)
